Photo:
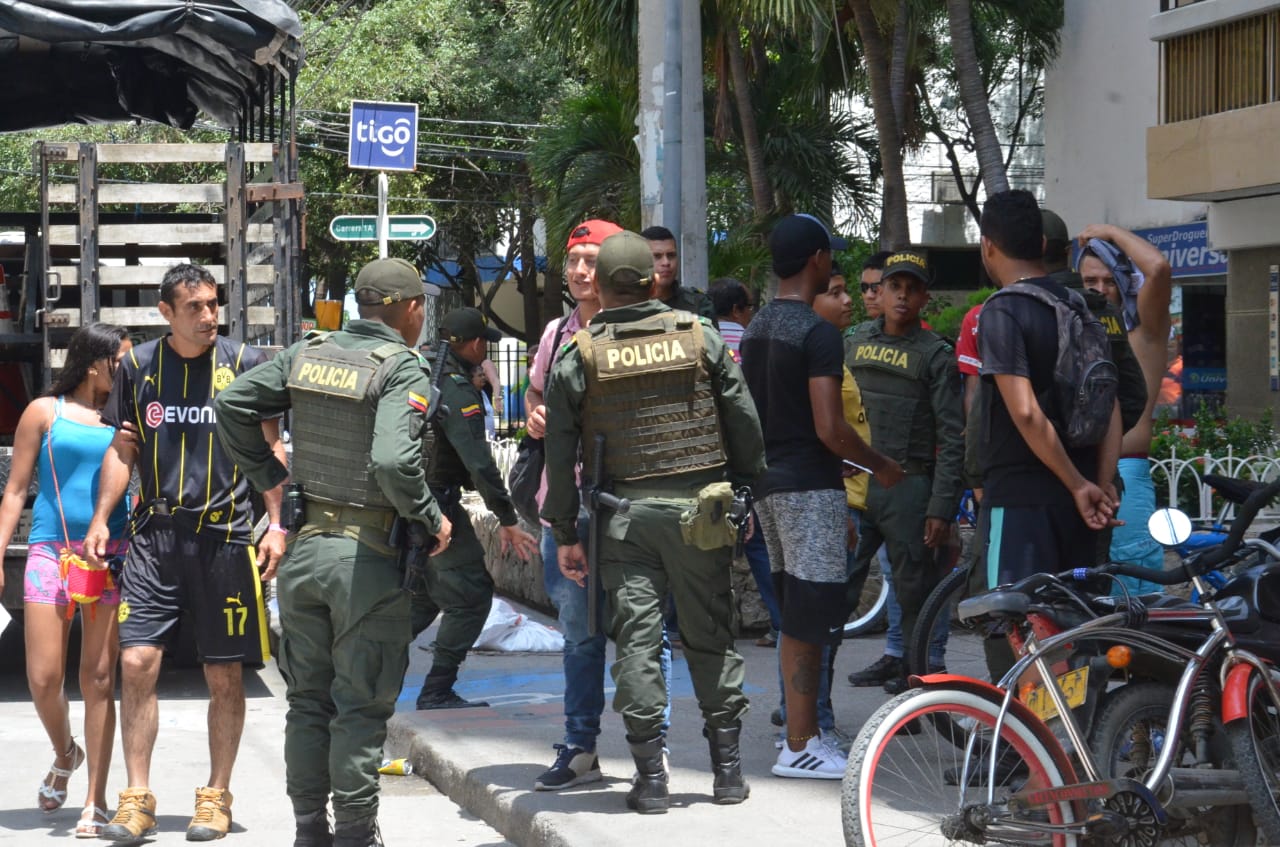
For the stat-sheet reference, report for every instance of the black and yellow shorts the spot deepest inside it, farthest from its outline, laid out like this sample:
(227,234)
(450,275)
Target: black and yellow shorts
(170,570)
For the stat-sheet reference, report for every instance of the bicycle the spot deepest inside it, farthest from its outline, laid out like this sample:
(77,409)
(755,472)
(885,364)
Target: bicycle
(965,652)
(1205,768)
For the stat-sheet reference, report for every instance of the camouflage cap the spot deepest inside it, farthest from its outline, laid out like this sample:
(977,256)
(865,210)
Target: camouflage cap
(387,281)
(625,251)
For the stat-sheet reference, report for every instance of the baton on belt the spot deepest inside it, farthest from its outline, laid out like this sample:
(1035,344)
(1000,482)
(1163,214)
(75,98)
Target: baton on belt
(598,499)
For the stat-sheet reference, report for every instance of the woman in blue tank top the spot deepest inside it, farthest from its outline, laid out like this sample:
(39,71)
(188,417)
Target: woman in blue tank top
(61,440)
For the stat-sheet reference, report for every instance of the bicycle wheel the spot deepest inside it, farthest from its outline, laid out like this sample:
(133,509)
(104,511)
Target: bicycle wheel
(964,651)
(1255,745)
(872,612)
(1126,740)
(904,786)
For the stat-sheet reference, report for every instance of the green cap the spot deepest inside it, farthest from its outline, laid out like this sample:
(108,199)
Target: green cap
(1055,228)
(387,281)
(625,251)
(465,324)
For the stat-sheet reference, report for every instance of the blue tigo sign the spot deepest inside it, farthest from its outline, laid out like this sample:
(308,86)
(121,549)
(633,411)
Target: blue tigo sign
(1186,246)
(384,136)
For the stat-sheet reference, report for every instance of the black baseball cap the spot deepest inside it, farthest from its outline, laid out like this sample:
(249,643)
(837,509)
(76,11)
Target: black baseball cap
(907,262)
(465,324)
(797,237)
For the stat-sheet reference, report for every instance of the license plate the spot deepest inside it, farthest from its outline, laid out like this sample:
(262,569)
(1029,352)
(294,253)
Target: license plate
(1074,686)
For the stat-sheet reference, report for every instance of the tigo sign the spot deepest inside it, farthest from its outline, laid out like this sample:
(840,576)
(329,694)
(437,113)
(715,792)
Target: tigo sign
(383,136)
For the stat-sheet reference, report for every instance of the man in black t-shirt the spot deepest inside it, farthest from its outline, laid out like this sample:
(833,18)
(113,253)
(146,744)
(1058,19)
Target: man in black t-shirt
(189,547)
(1045,501)
(800,500)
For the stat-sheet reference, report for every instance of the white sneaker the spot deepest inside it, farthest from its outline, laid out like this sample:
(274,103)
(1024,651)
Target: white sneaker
(837,739)
(816,761)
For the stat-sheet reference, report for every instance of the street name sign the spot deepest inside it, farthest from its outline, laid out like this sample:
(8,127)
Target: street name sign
(365,227)
(383,136)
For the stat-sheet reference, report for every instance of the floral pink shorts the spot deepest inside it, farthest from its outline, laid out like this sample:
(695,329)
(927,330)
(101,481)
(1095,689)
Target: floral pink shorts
(44,583)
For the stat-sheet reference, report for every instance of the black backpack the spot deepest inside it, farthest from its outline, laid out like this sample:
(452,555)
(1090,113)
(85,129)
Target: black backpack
(1085,378)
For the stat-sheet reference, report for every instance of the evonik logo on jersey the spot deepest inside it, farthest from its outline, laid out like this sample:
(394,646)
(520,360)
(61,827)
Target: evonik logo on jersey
(158,414)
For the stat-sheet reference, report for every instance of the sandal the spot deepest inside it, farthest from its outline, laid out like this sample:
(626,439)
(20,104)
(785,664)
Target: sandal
(50,799)
(92,820)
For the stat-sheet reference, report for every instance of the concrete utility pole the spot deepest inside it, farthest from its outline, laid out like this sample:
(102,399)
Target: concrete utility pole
(672,118)
(673,173)
(693,161)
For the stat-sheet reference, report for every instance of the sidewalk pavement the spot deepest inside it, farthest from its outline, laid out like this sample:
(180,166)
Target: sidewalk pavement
(487,759)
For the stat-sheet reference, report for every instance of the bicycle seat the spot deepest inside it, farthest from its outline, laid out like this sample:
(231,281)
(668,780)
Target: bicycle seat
(1232,488)
(995,606)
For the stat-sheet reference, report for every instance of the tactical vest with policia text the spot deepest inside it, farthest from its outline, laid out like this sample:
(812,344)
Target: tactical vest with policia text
(649,392)
(333,416)
(893,375)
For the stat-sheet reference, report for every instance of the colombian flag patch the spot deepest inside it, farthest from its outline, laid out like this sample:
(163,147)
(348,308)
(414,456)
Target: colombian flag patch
(471,411)
(417,401)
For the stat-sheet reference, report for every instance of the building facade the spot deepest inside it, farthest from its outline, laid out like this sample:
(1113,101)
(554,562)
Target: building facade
(1161,116)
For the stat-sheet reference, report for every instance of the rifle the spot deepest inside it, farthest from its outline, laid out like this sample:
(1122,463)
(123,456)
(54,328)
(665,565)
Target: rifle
(598,499)
(411,537)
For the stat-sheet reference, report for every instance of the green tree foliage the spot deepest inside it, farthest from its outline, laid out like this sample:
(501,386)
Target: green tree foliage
(481,89)
(587,164)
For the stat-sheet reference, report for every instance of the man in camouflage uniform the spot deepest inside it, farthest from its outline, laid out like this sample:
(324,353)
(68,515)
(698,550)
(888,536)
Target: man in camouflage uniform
(662,388)
(359,398)
(457,582)
(910,389)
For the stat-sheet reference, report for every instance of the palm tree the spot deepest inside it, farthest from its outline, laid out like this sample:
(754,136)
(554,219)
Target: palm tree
(880,65)
(973,94)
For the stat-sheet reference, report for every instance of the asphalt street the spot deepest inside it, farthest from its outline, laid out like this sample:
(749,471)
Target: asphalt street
(413,811)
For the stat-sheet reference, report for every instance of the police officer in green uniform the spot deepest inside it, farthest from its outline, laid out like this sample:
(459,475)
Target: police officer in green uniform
(359,398)
(457,582)
(666,272)
(909,385)
(662,389)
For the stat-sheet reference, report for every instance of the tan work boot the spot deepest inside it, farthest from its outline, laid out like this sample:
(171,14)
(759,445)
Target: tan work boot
(135,816)
(213,815)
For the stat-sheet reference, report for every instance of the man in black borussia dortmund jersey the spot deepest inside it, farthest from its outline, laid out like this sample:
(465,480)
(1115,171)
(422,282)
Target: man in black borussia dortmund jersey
(189,549)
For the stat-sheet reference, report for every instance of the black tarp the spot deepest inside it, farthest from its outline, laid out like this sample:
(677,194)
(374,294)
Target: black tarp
(90,61)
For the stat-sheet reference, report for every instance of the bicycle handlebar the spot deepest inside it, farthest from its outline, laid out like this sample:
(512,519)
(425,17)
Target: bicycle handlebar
(1248,511)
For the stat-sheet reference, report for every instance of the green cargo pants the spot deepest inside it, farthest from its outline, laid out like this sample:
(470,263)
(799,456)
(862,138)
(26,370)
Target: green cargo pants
(895,517)
(642,557)
(458,585)
(343,654)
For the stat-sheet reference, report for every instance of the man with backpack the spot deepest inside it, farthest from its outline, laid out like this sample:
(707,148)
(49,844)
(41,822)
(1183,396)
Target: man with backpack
(1049,421)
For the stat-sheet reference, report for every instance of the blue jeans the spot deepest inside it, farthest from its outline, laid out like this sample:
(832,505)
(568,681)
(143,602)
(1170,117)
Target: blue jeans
(584,652)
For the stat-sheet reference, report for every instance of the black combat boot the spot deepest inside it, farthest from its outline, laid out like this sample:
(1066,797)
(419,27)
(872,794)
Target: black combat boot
(312,830)
(648,794)
(358,833)
(729,786)
(437,693)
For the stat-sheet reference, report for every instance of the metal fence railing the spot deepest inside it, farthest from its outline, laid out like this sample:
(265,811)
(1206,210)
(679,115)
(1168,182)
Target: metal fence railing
(1180,482)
